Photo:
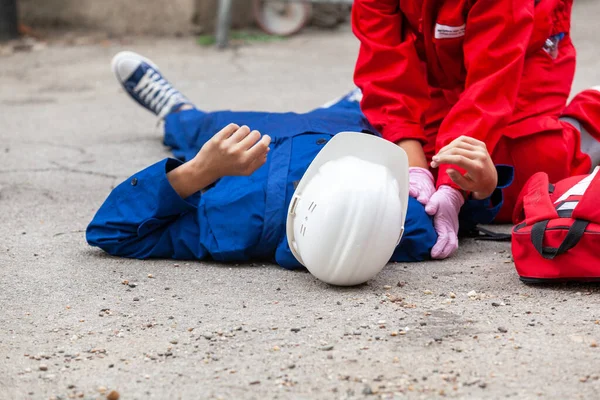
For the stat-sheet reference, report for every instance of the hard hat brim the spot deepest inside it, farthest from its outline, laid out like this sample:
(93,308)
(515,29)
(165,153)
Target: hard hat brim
(366,147)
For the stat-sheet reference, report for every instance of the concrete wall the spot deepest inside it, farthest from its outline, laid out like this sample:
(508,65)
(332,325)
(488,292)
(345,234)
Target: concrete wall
(116,17)
(149,17)
(206,11)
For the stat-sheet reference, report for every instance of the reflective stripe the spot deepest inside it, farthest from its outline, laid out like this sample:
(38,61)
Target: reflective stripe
(589,144)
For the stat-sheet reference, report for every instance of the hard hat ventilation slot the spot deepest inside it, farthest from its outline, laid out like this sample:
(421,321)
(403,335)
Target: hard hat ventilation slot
(294,205)
(302,229)
(312,207)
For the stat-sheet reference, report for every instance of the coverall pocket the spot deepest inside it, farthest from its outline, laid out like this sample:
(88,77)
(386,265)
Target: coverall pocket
(546,81)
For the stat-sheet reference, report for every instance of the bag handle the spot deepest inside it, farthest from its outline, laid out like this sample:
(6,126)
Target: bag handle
(573,237)
(588,207)
(534,203)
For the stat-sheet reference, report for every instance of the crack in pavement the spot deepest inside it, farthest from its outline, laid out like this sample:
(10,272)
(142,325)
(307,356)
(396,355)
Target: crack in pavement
(61,169)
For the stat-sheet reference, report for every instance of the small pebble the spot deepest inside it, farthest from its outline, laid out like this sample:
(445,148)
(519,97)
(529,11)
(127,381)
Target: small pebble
(452,295)
(114,395)
(427,291)
(150,276)
(276,348)
(125,282)
(326,348)
(255,383)
(295,330)
(502,329)
(495,304)
(43,367)
(394,333)
(132,285)
(174,341)
(593,344)
(387,287)
(472,293)
(136,299)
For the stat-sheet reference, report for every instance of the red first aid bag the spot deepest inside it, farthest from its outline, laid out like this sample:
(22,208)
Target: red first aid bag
(557,236)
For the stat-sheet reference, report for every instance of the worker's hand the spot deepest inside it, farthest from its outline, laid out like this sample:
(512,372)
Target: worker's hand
(444,206)
(471,155)
(233,151)
(421,184)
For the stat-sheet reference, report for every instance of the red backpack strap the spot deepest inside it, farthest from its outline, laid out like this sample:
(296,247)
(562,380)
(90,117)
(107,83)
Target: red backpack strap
(534,203)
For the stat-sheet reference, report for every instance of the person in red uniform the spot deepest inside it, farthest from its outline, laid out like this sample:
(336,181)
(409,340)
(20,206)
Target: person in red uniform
(499,71)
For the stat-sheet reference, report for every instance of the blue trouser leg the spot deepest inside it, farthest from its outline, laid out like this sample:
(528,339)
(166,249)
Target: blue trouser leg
(184,133)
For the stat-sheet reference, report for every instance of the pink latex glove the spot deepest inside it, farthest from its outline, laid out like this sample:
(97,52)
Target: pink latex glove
(444,206)
(422,186)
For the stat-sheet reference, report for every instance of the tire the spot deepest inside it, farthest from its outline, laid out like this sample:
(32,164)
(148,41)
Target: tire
(281,18)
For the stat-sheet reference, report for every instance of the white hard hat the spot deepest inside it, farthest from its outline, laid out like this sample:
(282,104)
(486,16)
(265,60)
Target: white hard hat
(347,214)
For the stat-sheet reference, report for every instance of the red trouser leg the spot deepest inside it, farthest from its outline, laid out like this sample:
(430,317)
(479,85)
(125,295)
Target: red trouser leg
(558,152)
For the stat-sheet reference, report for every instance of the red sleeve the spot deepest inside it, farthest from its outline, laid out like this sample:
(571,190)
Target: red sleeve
(496,40)
(389,71)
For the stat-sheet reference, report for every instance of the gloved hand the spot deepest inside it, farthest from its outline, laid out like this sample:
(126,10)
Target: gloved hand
(444,206)
(422,186)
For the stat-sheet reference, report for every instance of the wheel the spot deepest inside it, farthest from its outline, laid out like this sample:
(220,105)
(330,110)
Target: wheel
(282,18)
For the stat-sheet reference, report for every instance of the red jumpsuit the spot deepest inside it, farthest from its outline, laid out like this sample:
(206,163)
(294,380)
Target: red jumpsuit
(434,70)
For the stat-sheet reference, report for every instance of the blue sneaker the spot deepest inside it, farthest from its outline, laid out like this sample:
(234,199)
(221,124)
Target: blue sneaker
(143,81)
(354,96)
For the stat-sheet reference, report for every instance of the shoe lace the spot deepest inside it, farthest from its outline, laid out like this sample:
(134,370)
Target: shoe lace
(157,93)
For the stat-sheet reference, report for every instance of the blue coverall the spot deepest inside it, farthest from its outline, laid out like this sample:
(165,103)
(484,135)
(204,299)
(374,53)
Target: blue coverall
(241,218)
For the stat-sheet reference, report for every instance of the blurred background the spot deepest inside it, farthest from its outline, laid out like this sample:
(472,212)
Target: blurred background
(85,21)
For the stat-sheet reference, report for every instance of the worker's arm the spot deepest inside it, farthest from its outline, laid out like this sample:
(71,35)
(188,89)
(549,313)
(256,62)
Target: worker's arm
(391,75)
(144,217)
(153,214)
(495,45)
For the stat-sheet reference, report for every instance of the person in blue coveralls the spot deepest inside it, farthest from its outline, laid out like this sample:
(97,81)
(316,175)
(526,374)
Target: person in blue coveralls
(225,194)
